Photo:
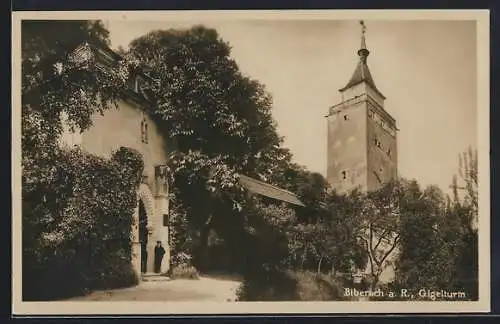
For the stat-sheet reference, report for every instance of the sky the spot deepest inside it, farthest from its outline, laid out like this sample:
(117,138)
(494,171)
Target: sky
(426,69)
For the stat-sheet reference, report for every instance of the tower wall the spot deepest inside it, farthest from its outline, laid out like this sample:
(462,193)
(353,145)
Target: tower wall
(382,146)
(361,144)
(346,146)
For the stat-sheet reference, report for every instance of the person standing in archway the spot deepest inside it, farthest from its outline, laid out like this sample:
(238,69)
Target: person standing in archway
(144,258)
(159,253)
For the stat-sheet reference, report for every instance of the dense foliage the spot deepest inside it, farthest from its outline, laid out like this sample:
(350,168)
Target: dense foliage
(57,80)
(76,224)
(204,102)
(439,248)
(77,208)
(292,286)
(427,238)
(219,119)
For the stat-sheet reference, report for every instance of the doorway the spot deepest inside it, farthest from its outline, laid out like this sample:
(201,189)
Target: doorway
(143,236)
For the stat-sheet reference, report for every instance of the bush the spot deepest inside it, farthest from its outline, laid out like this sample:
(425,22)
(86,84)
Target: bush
(181,258)
(184,271)
(268,285)
(118,272)
(77,216)
(313,286)
(285,285)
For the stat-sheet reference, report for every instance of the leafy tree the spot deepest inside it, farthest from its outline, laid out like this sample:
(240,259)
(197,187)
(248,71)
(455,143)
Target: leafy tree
(56,79)
(330,242)
(306,245)
(380,223)
(204,102)
(425,253)
(312,189)
(439,235)
(345,223)
(463,214)
(62,76)
(219,119)
(465,189)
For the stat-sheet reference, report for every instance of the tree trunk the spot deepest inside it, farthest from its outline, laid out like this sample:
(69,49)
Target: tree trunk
(319,264)
(375,280)
(303,259)
(204,231)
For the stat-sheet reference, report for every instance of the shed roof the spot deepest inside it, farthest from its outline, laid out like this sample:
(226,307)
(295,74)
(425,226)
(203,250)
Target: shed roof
(270,191)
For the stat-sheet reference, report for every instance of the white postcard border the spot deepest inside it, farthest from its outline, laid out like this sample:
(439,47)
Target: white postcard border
(198,308)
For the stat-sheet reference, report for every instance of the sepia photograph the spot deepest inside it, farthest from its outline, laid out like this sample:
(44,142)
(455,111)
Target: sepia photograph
(250,162)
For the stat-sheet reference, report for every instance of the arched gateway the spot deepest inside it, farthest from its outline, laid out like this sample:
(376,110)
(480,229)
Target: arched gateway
(148,228)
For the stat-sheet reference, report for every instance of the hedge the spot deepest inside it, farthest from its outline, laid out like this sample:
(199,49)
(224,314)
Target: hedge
(77,212)
(288,285)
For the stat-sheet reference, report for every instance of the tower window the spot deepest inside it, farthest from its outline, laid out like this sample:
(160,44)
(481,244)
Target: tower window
(346,117)
(389,152)
(344,174)
(377,143)
(144,131)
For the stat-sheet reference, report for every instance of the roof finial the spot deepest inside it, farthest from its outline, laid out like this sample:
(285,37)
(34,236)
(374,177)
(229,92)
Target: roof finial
(363,52)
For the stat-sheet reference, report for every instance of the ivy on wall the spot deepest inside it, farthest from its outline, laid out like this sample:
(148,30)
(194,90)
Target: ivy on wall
(79,218)
(77,208)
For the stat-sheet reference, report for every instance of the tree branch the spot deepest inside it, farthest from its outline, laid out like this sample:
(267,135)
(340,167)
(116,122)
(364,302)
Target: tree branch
(380,239)
(209,219)
(370,236)
(394,245)
(370,257)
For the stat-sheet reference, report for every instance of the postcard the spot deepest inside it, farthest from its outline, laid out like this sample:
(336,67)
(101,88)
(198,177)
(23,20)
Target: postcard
(250,162)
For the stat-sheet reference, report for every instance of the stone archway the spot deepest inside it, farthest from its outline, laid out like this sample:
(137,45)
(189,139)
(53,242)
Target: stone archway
(144,194)
(145,205)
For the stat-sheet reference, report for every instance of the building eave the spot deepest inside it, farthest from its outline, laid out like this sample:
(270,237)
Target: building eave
(267,190)
(353,84)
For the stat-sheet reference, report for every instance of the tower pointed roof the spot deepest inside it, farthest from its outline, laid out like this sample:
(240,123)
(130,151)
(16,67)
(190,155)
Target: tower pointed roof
(362,72)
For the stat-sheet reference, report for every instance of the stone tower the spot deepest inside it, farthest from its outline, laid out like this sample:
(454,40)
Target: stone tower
(361,144)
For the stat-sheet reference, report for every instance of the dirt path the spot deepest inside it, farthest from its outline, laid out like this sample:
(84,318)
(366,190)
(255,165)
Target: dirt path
(203,289)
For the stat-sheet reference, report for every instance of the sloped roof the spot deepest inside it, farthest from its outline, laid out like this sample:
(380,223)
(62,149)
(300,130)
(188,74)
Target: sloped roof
(270,191)
(362,72)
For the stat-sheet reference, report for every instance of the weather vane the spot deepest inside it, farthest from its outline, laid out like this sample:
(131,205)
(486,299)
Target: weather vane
(363,27)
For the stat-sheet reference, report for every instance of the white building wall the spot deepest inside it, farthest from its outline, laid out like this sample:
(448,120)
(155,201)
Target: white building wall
(122,127)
